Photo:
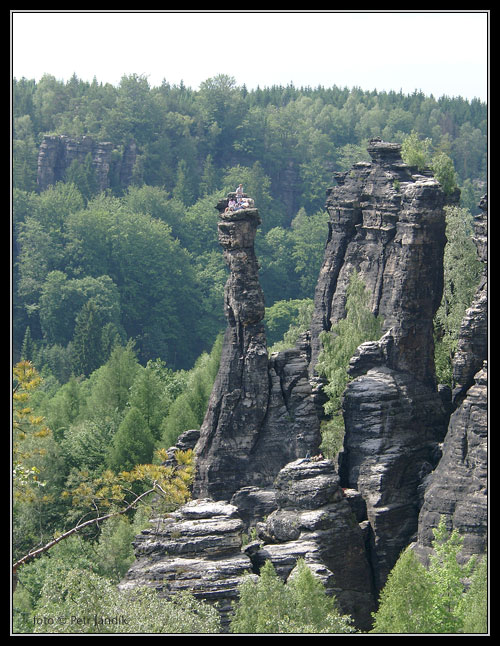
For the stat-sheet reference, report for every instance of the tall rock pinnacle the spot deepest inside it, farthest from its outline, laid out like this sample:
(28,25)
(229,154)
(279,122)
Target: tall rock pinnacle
(261,413)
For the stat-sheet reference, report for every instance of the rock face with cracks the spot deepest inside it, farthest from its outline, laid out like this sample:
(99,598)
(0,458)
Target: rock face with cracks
(58,152)
(315,521)
(387,222)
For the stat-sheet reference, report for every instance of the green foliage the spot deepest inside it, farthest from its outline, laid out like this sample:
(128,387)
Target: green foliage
(82,602)
(415,151)
(473,606)
(27,428)
(133,443)
(188,410)
(281,315)
(96,275)
(110,384)
(300,606)
(309,235)
(448,576)
(462,270)
(83,176)
(32,577)
(290,319)
(436,599)
(86,444)
(148,394)
(281,142)
(114,553)
(338,346)
(444,171)
(405,605)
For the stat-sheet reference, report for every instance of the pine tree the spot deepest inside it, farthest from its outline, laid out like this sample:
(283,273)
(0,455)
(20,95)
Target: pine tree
(133,443)
(87,340)
(148,395)
(184,185)
(28,348)
(208,182)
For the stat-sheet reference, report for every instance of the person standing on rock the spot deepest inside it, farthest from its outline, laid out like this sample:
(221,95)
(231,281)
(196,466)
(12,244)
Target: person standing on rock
(239,192)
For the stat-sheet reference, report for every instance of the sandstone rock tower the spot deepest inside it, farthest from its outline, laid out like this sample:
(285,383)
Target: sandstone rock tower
(261,412)
(387,222)
(256,453)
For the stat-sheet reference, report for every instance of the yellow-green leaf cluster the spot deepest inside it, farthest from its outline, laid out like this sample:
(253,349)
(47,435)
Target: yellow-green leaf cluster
(111,489)
(27,429)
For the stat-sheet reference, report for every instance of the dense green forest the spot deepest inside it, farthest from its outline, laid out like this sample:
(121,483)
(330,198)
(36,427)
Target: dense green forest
(118,296)
(142,261)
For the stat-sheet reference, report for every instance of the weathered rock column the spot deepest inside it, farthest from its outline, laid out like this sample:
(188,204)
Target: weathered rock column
(238,403)
(387,223)
(261,414)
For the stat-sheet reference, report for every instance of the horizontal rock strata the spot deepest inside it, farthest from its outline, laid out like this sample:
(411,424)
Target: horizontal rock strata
(196,548)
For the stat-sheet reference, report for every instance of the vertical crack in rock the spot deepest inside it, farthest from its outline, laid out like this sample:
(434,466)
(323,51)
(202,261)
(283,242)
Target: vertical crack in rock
(58,152)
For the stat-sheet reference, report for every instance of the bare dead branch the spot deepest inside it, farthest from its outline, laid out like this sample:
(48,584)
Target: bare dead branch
(41,550)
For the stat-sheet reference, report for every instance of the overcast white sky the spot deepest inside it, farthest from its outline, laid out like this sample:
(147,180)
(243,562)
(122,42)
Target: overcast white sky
(435,52)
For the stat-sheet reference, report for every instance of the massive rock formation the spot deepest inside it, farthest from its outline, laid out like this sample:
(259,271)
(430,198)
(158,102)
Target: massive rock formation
(393,426)
(457,489)
(261,413)
(203,546)
(387,223)
(314,521)
(57,152)
(254,470)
